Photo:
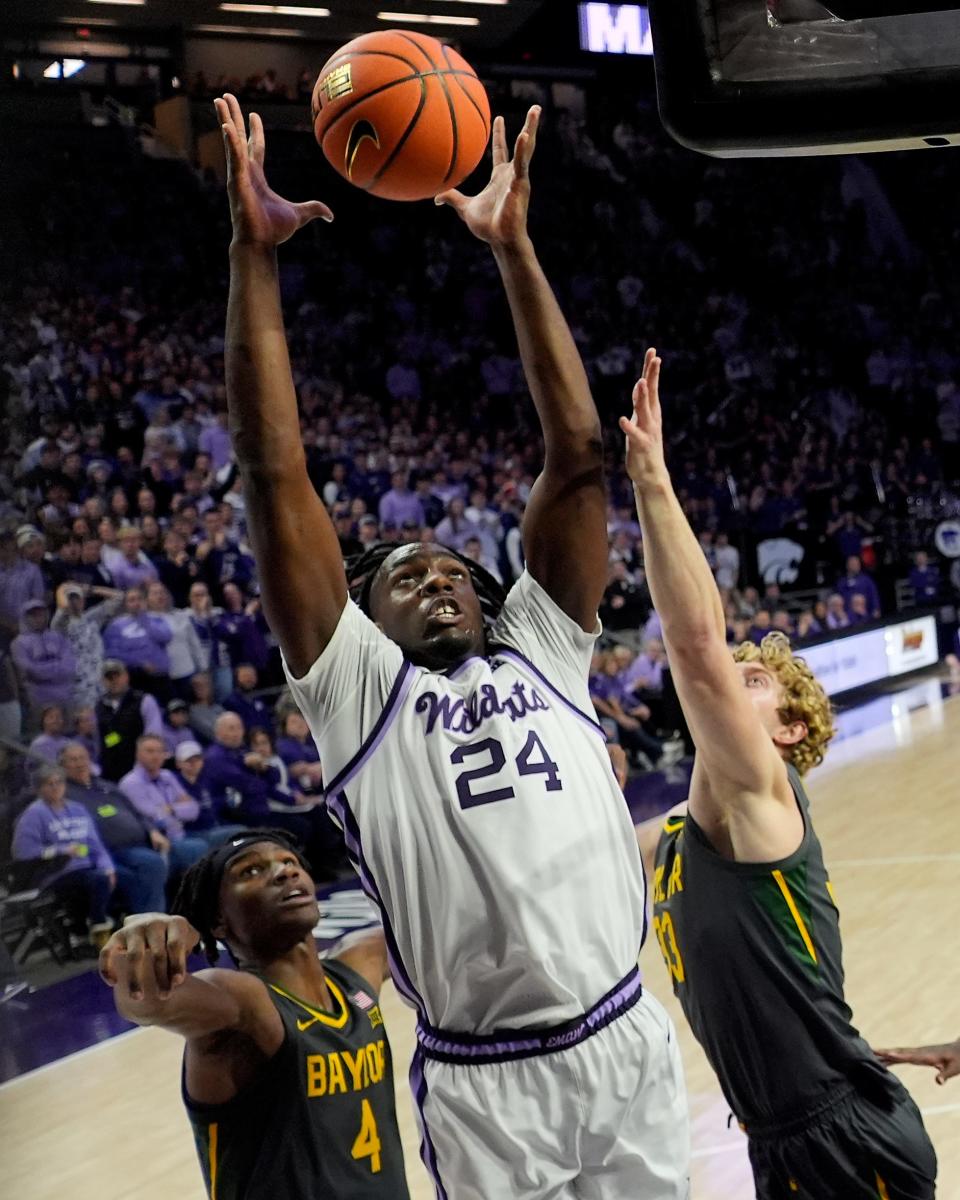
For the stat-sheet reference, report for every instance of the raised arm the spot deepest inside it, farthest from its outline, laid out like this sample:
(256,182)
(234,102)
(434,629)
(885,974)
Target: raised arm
(739,791)
(564,528)
(296,549)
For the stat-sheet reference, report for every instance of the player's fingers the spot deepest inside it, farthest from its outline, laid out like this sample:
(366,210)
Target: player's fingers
(236,157)
(236,114)
(135,962)
(453,199)
(653,379)
(641,400)
(110,956)
(499,142)
(530,127)
(521,156)
(311,210)
(177,951)
(156,963)
(257,143)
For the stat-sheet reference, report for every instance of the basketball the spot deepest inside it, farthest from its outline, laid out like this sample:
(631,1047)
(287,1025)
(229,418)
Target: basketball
(400,115)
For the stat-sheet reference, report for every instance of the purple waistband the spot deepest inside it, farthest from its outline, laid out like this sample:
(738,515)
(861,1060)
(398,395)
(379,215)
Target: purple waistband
(527,1043)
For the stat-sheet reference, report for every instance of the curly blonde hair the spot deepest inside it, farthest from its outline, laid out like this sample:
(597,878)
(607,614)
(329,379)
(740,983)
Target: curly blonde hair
(803,697)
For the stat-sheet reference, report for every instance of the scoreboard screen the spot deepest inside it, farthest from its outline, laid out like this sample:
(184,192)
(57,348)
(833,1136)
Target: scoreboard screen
(615,29)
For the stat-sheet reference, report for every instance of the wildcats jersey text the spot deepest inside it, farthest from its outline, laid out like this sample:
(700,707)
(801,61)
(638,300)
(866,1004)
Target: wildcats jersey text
(484,816)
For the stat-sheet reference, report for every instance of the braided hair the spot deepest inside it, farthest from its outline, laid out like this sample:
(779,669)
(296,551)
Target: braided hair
(362,570)
(198,897)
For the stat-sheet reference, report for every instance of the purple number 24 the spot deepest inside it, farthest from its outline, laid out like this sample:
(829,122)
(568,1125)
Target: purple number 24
(525,764)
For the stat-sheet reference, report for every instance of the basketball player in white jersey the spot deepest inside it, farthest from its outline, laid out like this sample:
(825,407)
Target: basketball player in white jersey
(463,761)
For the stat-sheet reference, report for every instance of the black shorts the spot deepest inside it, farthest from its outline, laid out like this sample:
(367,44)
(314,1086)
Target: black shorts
(852,1149)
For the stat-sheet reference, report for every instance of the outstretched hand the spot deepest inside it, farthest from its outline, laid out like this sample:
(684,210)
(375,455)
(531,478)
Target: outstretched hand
(259,215)
(498,214)
(945,1058)
(643,430)
(147,957)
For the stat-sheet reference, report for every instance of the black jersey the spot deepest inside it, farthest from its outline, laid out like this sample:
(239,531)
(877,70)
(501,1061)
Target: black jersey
(753,951)
(319,1121)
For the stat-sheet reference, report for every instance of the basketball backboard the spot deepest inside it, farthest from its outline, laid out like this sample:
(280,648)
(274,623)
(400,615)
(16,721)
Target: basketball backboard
(746,78)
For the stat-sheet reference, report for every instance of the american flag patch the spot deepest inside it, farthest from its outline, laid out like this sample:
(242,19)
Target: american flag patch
(362,1000)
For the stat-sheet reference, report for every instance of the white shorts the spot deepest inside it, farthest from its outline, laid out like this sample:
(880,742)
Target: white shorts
(604,1117)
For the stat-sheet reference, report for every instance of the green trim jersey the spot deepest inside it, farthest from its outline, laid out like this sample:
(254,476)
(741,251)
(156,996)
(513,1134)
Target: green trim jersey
(754,955)
(320,1120)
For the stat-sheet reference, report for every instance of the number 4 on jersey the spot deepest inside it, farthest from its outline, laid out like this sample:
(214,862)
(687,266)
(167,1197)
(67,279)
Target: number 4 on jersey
(367,1143)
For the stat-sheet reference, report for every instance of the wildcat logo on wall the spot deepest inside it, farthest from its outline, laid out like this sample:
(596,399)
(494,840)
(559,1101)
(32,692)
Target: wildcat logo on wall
(947,538)
(779,560)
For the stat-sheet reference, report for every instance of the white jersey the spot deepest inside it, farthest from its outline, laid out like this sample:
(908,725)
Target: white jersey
(482,810)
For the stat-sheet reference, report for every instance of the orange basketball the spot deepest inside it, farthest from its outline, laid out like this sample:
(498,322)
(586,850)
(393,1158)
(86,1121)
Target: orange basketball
(400,115)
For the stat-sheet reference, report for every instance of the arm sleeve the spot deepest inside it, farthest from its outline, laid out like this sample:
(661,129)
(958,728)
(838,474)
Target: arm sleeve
(160,630)
(152,720)
(532,624)
(345,690)
(101,856)
(28,837)
(185,807)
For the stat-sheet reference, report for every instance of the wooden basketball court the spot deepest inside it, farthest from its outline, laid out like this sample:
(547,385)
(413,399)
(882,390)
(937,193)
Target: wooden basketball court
(107,1123)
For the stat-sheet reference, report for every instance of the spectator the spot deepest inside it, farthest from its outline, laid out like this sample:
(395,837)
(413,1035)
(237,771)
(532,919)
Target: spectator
(185,654)
(400,504)
(86,733)
(299,752)
(782,621)
(51,739)
(925,580)
(20,581)
(204,710)
(807,625)
(456,528)
(726,559)
(215,441)
(856,581)
(139,639)
(81,627)
(245,785)
(837,617)
(176,729)
(643,677)
(251,709)
(158,797)
(53,828)
(32,546)
(624,602)
(238,629)
(192,778)
(123,715)
(857,612)
(176,570)
(131,568)
(137,850)
(760,626)
(91,571)
(44,660)
(623,718)
(11,713)
(204,617)
(473,549)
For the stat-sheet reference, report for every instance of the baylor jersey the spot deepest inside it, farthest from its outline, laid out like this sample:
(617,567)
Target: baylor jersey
(319,1123)
(753,951)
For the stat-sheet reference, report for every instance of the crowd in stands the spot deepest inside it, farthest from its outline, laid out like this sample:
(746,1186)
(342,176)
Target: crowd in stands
(810,391)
